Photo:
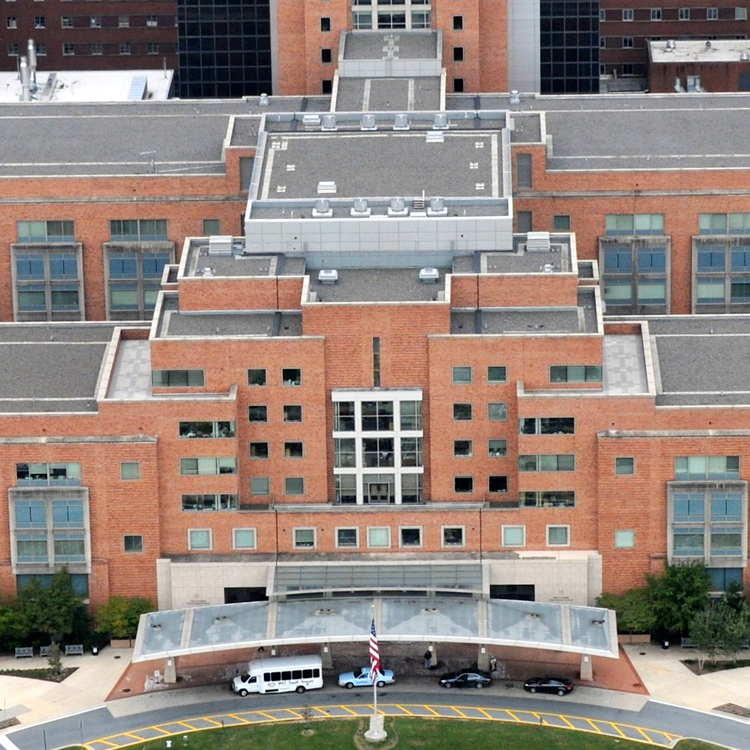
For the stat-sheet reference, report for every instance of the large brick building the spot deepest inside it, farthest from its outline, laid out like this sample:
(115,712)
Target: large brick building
(453,361)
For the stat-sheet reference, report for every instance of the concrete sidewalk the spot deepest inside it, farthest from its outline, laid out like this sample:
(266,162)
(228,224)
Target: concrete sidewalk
(35,701)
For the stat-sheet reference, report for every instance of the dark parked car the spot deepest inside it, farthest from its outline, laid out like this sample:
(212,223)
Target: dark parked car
(473,678)
(558,685)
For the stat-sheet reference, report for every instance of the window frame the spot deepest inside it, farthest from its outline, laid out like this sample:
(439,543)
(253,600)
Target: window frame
(138,547)
(621,466)
(130,464)
(200,548)
(504,531)
(554,527)
(403,545)
(452,545)
(251,529)
(337,532)
(296,544)
(371,529)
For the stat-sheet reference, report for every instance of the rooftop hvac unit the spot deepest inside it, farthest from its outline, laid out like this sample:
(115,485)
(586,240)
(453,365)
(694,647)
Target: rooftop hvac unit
(437,207)
(401,122)
(328,276)
(322,208)
(220,245)
(263,101)
(515,98)
(368,122)
(429,275)
(327,187)
(398,207)
(537,242)
(311,121)
(328,122)
(548,268)
(360,207)
(440,121)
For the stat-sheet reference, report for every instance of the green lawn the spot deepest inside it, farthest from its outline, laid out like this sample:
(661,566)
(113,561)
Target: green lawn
(412,734)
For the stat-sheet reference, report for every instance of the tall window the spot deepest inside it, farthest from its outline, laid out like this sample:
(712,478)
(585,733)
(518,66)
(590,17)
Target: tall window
(136,230)
(134,278)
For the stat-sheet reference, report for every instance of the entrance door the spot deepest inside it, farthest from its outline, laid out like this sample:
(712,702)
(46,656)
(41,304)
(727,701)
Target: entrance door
(378,492)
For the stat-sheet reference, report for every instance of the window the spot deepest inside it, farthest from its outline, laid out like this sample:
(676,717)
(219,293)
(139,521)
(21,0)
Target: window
(410,536)
(683,14)
(724,578)
(260,485)
(602,15)
(95,22)
(376,361)
(138,230)
(712,14)
(411,415)
(343,416)
(347,538)
(152,48)
(13,50)
(152,21)
(458,85)
(707,467)
(453,536)
(132,543)
(558,536)
(291,376)
(292,413)
(46,231)
(68,48)
(740,14)
(463,448)
(463,484)
(461,375)
(462,412)
(124,48)
(523,173)
(513,536)
(628,14)
(211,227)
(458,23)
(209,502)
(561,223)
(39,22)
(377,416)
(325,24)
(602,45)
(378,536)
(41,50)
(547,499)
(326,86)
(130,470)
(524,221)
(244,538)
(199,539)
(177,378)
(497,412)
(547,462)
(293,449)
(257,413)
(497,448)
(634,224)
(497,483)
(52,474)
(458,54)
(624,465)
(259,450)
(294,485)
(304,538)
(411,452)
(346,488)
(547,426)
(627,42)
(656,14)
(207,466)
(256,377)
(123,21)
(575,374)
(207,429)
(11,22)
(326,55)
(624,539)
(496,374)
(711,260)
(345,453)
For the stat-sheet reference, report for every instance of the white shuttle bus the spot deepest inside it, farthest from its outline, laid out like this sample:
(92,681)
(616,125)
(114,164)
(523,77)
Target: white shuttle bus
(282,675)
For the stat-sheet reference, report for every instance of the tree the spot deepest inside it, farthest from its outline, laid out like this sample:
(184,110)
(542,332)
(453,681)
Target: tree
(119,617)
(50,610)
(634,610)
(54,659)
(678,594)
(719,629)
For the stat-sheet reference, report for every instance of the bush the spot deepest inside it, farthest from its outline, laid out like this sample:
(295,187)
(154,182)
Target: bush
(119,616)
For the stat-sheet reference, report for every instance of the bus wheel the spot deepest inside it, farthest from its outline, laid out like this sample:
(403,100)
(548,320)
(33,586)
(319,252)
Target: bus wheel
(243,693)
(300,689)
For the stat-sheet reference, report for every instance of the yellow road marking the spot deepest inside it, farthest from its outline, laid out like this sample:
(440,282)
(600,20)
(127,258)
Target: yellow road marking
(460,713)
(491,718)
(346,708)
(236,716)
(406,711)
(594,726)
(614,726)
(510,713)
(569,723)
(271,717)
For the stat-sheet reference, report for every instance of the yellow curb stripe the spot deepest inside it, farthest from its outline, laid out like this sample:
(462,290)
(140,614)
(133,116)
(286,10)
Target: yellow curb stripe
(513,716)
(239,718)
(460,713)
(346,708)
(407,712)
(483,712)
(565,719)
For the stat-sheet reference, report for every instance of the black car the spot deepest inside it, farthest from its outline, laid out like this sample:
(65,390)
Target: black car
(474,678)
(558,685)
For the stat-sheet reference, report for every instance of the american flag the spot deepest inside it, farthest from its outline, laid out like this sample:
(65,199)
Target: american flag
(375,669)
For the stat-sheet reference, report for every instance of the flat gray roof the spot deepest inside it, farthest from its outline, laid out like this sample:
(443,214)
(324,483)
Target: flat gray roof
(387,94)
(51,368)
(382,164)
(683,51)
(374,45)
(228,627)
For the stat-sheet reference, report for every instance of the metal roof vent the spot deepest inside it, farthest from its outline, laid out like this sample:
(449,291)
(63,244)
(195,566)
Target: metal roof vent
(398,207)
(537,242)
(437,207)
(311,120)
(25,80)
(669,46)
(360,207)
(207,272)
(322,209)
(328,276)
(515,97)
(429,275)
(328,122)
(708,45)
(220,245)
(263,101)
(744,56)
(440,121)
(327,186)
(401,122)
(368,122)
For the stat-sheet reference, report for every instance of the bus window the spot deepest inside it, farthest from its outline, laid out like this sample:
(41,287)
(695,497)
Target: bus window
(316,672)
(307,674)
(275,676)
(286,676)
(296,674)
